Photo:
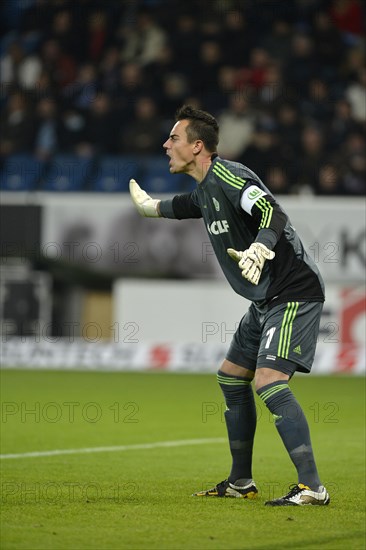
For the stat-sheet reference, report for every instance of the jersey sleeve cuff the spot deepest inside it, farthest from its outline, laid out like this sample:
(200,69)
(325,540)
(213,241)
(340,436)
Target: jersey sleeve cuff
(268,237)
(166,209)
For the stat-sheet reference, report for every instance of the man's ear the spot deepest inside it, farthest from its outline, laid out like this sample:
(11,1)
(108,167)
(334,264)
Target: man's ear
(198,146)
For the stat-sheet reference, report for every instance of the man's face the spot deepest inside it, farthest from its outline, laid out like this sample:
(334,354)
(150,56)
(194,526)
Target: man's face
(181,152)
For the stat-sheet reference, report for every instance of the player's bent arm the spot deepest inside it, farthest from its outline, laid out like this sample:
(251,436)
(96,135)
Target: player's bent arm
(271,220)
(179,207)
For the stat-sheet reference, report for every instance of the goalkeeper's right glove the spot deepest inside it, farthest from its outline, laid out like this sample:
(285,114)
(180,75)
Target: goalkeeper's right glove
(251,261)
(147,207)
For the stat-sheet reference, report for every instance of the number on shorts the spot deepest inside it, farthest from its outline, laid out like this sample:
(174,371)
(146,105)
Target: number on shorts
(270,332)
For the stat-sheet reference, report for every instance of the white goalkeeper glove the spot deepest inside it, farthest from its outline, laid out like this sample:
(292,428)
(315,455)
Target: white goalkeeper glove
(146,206)
(251,261)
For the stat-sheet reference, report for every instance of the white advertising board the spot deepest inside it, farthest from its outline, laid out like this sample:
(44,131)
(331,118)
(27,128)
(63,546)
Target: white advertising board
(147,337)
(186,357)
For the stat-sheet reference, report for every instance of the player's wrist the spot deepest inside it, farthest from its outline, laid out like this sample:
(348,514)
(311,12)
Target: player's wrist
(158,209)
(149,208)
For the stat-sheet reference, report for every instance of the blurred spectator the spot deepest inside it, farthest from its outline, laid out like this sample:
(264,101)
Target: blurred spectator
(109,70)
(328,42)
(130,87)
(61,66)
(63,30)
(355,143)
(164,65)
(342,123)
(209,64)
(175,89)
(102,126)
(301,66)
(354,179)
(356,95)
(329,181)
(236,38)
(355,60)
(277,180)
(228,80)
(273,87)
(216,99)
(348,16)
(258,67)
(143,42)
(144,136)
(316,103)
(16,68)
(310,157)
(36,19)
(187,41)
(194,101)
(97,35)
(352,160)
(82,92)
(263,153)
(72,133)
(45,86)
(46,129)
(17,125)
(289,127)
(278,42)
(210,29)
(236,127)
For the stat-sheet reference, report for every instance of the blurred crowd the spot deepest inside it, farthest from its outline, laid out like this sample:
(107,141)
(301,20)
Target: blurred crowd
(286,81)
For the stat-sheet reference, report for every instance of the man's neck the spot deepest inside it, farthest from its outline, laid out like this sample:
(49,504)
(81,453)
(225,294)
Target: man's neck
(201,168)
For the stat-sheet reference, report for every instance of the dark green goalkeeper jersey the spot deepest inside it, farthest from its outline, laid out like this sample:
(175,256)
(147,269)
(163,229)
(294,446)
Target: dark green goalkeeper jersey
(238,209)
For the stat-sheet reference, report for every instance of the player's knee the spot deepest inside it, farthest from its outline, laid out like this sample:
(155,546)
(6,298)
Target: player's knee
(232,369)
(265,376)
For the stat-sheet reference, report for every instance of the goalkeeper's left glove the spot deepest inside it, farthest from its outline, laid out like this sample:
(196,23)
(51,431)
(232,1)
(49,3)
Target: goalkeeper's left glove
(251,261)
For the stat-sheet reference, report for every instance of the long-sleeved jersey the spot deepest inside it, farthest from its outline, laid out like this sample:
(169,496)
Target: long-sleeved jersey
(238,209)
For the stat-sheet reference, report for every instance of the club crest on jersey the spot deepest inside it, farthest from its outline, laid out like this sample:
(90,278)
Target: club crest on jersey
(217,227)
(216,204)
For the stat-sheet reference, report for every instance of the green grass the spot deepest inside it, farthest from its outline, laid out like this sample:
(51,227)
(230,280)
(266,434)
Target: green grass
(139,499)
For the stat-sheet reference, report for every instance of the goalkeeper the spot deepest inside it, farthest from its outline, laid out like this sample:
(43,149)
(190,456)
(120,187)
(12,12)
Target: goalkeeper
(264,260)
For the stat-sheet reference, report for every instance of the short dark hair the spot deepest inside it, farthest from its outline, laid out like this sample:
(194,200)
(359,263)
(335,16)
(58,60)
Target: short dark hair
(201,126)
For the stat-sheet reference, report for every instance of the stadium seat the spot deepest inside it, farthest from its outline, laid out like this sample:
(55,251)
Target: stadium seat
(158,179)
(21,172)
(113,173)
(67,173)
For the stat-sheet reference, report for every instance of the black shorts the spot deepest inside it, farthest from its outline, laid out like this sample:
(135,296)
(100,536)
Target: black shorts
(280,338)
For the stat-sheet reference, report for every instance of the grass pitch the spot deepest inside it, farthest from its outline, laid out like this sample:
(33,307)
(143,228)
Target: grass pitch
(139,498)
